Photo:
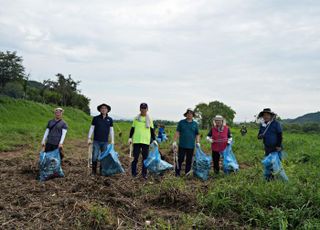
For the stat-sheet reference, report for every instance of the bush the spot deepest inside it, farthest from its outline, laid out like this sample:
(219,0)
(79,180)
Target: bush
(13,89)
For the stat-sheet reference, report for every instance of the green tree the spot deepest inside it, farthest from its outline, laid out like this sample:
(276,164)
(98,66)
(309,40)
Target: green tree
(206,112)
(13,89)
(11,68)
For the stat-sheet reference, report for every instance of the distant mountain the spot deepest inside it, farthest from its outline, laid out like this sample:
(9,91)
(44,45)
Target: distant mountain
(35,84)
(307,118)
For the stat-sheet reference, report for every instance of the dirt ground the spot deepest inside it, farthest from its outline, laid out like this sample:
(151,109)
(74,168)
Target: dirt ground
(64,203)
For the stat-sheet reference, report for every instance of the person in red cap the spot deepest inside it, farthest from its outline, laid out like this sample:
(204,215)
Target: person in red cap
(101,128)
(55,133)
(141,135)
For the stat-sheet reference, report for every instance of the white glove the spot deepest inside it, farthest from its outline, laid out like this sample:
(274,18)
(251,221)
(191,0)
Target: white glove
(174,145)
(198,145)
(130,141)
(155,143)
(89,141)
(209,139)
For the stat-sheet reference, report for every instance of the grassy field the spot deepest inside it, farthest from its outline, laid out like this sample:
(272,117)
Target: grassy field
(238,201)
(23,122)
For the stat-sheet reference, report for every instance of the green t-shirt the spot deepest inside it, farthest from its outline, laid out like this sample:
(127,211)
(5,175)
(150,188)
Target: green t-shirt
(188,132)
(142,134)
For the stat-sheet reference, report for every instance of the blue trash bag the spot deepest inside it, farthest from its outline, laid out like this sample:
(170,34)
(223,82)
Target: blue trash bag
(201,164)
(230,163)
(273,167)
(154,163)
(109,161)
(162,138)
(50,165)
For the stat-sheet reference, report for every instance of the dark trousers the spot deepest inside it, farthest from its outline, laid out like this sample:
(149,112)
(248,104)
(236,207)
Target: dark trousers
(51,147)
(182,153)
(216,161)
(137,148)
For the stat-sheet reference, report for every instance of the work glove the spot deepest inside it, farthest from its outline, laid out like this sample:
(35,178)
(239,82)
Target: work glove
(198,145)
(155,143)
(130,141)
(89,141)
(174,145)
(209,139)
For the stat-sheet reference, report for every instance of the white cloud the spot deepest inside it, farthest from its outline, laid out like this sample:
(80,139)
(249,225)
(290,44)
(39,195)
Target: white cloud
(174,54)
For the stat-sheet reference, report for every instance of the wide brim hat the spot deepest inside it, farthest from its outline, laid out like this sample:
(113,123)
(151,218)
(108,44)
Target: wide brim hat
(189,110)
(267,110)
(103,104)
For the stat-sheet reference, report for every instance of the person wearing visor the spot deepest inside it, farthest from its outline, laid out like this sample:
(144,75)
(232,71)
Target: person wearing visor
(219,136)
(101,128)
(55,133)
(141,135)
(188,133)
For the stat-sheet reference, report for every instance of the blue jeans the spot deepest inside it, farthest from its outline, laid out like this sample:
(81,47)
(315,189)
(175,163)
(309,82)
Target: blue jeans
(97,148)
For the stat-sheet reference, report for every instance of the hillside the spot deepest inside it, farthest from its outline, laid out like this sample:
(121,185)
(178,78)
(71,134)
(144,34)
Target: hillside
(307,118)
(23,121)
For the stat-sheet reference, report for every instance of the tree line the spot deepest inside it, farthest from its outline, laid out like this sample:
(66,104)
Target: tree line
(14,82)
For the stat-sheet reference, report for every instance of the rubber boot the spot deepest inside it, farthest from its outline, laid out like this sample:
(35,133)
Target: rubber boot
(94,168)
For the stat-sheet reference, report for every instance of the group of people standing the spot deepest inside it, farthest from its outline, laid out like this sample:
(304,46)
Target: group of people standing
(142,134)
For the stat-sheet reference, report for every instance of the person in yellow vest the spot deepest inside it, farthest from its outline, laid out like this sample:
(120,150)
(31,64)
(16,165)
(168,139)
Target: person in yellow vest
(141,135)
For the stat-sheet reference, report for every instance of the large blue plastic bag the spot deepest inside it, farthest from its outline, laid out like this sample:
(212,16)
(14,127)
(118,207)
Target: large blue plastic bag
(154,163)
(201,164)
(272,166)
(50,165)
(109,161)
(230,163)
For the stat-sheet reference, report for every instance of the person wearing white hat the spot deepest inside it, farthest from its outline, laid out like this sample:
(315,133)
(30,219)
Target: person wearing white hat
(219,136)
(55,133)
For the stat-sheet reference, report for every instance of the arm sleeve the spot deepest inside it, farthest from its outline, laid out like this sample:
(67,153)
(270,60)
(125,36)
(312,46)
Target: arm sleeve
(91,130)
(179,127)
(279,139)
(153,136)
(63,136)
(209,133)
(197,130)
(131,132)
(229,136)
(112,135)
(279,135)
(46,133)
(93,121)
(260,131)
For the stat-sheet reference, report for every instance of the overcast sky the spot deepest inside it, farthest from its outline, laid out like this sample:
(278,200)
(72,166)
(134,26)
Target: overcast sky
(173,54)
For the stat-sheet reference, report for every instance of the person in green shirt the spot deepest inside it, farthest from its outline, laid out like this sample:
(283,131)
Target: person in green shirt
(141,135)
(188,133)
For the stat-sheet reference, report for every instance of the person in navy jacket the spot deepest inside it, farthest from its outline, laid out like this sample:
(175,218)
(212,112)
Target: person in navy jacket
(270,132)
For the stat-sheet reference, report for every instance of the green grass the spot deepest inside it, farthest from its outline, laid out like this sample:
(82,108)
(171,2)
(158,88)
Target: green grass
(24,122)
(242,199)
